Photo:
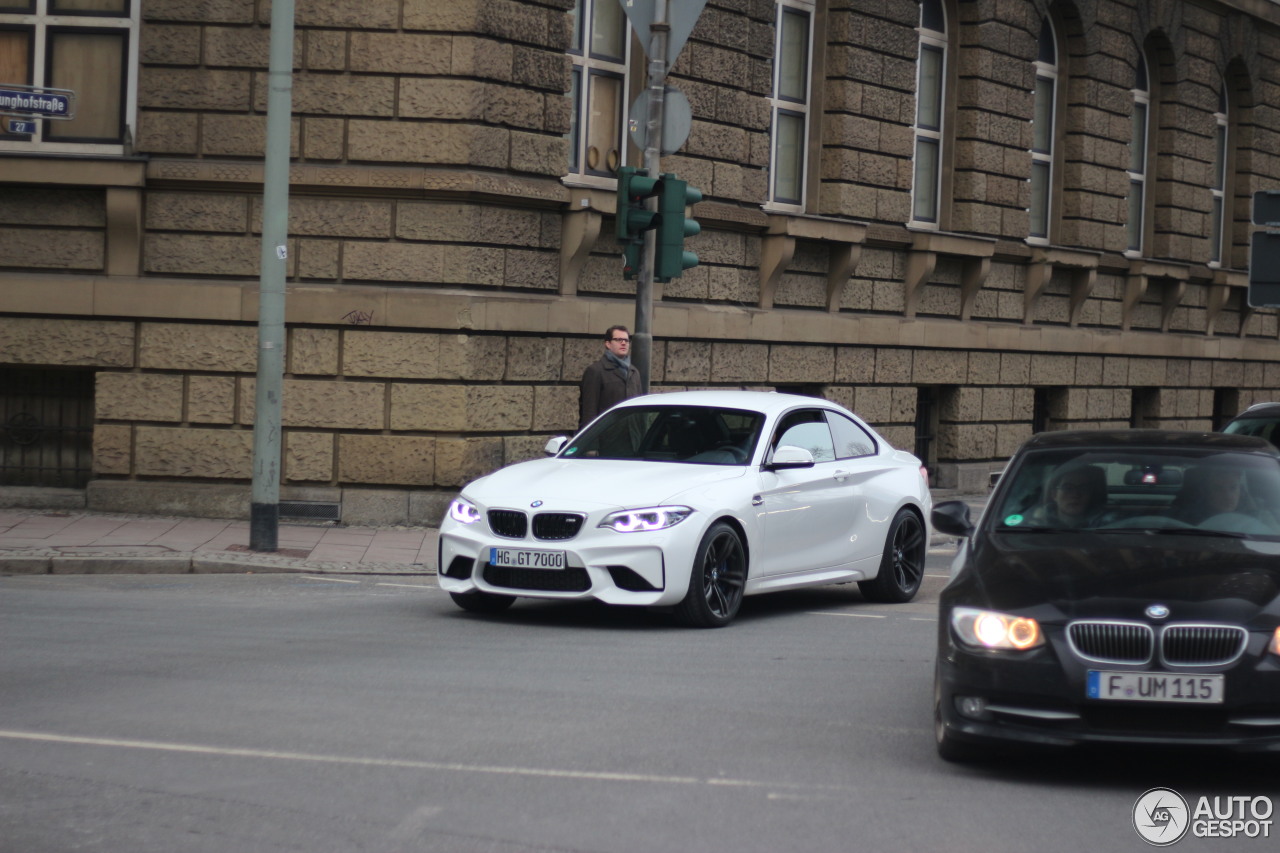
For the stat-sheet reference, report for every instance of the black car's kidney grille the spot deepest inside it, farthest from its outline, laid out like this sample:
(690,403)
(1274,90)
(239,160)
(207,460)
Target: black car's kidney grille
(572,579)
(1112,642)
(1202,645)
(557,525)
(509,523)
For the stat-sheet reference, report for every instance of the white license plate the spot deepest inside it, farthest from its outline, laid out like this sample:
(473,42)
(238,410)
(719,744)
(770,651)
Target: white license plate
(1155,687)
(523,558)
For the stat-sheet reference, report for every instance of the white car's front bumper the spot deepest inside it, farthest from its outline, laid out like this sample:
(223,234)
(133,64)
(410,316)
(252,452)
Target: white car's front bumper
(639,568)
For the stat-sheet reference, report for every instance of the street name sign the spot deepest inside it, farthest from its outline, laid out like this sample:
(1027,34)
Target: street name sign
(38,102)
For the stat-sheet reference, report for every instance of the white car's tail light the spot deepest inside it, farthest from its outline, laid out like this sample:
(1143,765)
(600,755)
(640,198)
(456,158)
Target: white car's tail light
(991,630)
(649,518)
(462,511)
(924,475)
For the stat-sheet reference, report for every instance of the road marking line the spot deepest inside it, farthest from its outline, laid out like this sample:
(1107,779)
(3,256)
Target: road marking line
(402,764)
(330,580)
(840,613)
(409,585)
(924,619)
(937,576)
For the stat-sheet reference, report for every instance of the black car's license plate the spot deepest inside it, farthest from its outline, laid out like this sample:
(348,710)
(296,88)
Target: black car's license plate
(1155,687)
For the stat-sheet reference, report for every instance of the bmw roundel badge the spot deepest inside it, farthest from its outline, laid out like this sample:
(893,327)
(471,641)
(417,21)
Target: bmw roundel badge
(1157,611)
(536,504)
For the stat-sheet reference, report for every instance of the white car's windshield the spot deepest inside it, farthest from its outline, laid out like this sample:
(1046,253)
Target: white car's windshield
(1175,491)
(694,434)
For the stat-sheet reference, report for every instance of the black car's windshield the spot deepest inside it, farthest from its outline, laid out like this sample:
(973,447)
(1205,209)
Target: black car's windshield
(1175,491)
(696,434)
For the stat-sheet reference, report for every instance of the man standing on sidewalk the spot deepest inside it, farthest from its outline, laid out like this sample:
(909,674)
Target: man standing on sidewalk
(610,380)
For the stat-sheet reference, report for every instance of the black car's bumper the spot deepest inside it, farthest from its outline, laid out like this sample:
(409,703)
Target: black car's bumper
(1036,700)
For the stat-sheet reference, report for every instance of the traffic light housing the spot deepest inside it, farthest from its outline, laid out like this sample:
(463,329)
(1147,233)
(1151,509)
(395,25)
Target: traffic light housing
(670,259)
(634,186)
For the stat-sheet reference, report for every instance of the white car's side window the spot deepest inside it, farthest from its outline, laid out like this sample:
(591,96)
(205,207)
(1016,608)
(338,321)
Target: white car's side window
(809,430)
(851,440)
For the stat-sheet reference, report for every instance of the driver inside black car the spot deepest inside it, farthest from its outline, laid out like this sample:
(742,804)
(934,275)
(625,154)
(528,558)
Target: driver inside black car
(1075,496)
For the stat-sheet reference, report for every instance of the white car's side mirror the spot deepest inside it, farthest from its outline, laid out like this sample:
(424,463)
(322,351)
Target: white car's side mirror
(555,445)
(789,456)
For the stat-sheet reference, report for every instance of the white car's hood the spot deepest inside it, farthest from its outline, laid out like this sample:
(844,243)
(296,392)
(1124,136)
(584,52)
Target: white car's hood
(586,484)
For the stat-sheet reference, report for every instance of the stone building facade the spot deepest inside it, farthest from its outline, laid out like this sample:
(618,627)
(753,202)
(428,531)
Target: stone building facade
(968,220)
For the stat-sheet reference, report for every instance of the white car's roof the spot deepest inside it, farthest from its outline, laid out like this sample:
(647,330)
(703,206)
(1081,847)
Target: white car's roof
(768,402)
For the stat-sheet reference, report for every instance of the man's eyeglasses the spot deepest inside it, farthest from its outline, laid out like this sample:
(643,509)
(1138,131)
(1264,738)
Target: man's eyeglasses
(620,340)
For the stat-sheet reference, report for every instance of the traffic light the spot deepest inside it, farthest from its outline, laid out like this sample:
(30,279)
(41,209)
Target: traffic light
(634,186)
(670,259)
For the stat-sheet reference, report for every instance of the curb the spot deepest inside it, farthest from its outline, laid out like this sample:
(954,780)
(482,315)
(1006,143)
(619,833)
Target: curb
(197,565)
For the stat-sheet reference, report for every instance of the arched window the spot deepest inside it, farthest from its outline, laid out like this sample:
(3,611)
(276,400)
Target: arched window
(1044,128)
(926,186)
(598,88)
(1138,142)
(789,101)
(1218,180)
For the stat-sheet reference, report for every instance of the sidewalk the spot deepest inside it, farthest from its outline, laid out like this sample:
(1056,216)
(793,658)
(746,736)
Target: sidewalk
(42,541)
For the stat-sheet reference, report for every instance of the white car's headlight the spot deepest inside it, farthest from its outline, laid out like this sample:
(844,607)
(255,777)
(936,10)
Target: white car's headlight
(649,518)
(462,511)
(991,630)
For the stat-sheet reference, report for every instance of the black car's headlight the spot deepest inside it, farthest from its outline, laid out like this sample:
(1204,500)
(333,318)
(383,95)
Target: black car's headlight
(1274,648)
(649,518)
(988,629)
(463,511)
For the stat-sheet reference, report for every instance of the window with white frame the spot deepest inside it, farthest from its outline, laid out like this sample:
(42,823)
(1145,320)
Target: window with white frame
(793,51)
(1219,178)
(87,46)
(1138,141)
(1043,129)
(597,146)
(926,186)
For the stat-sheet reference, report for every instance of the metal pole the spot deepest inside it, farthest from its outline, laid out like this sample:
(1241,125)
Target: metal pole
(642,335)
(264,511)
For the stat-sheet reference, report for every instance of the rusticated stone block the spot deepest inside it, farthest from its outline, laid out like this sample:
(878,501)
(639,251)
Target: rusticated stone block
(966,441)
(354,14)
(459,16)
(242,47)
(180,346)
(788,363)
(522,448)
(485,58)
(739,362)
(452,100)
(242,136)
(200,255)
(532,269)
(386,459)
(855,364)
(167,133)
(326,50)
(473,357)
(324,138)
(874,404)
(903,405)
(333,217)
(997,404)
(46,248)
(308,457)
(534,359)
(197,211)
(1009,437)
(893,365)
(579,353)
(112,448)
(540,154)
(963,404)
(499,407)
(404,355)
(95,343)
(187,452)
(461,223)
(318,258)
(480,265)
(313,351)
(412,142)
(205,12)
(1053,369)
(321,404)
(194,89)
(460,460)
(84,208)
(688,361)
(940,367)
(138,397)
(899,437)
(555,408)
(211,400)
(435,408)
(1147,372)
(400,53)
(335,94)
(163,44)
(412,262)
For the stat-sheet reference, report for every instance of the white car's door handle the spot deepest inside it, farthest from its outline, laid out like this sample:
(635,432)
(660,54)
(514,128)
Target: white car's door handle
(840,475)
(756,500)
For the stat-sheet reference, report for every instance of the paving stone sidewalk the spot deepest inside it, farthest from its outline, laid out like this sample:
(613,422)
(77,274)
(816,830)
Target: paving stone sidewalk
(44,541)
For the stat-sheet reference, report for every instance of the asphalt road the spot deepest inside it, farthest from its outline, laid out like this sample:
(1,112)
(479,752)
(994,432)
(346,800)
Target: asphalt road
(236,714)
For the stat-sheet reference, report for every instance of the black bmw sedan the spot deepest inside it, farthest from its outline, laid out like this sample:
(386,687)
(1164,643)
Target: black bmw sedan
(1121,586)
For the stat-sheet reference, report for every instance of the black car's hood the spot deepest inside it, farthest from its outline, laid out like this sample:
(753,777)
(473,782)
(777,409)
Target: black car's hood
(1117,575)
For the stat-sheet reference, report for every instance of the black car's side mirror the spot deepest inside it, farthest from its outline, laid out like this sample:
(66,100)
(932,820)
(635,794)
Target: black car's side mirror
(952,518)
